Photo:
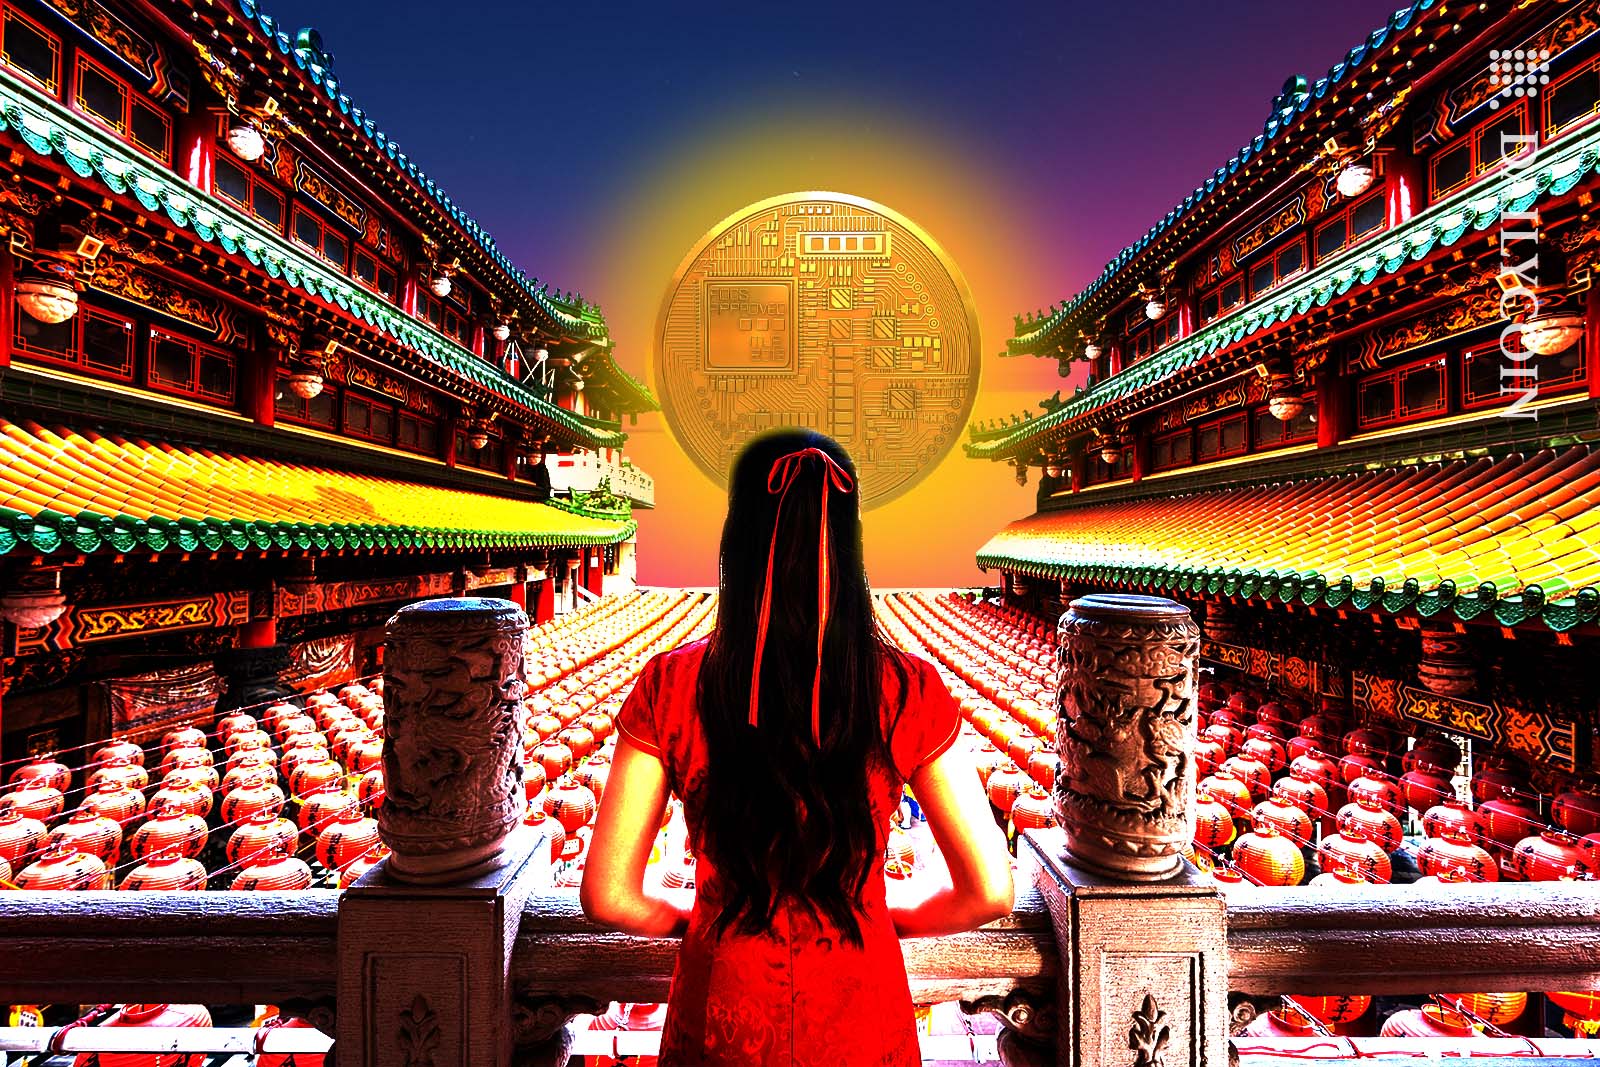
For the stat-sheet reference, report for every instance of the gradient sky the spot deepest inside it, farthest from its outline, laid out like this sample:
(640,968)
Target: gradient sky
(597,141)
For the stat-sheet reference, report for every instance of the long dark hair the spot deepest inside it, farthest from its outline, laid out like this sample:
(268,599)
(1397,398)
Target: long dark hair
(787,818)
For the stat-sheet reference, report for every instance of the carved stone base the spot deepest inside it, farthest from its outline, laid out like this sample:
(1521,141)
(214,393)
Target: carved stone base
(1143,966)
(424,973)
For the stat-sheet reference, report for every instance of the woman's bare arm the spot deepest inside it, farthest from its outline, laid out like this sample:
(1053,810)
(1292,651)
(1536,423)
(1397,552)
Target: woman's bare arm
(613,890)
(974,850)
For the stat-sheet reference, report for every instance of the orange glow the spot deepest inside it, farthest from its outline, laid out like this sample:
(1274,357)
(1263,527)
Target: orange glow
(928,536)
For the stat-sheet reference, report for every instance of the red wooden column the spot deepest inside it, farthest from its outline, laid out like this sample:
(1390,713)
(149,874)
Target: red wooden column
(594,562)
(259,633)
(259,393)
(196,155)
(8,304)
(1332,408)
(544,602)
(1591,338)
(519,589)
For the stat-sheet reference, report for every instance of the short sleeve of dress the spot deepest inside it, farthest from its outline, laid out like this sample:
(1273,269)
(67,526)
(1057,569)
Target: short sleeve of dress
(931,720)
(637,718)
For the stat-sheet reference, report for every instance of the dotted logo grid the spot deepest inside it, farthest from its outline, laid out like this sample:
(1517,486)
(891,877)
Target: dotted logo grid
(1518,72)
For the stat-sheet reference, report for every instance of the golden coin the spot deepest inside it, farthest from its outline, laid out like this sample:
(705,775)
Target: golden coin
(825,311)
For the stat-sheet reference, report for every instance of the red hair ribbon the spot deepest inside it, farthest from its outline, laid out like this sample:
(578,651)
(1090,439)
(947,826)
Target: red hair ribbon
(782,475)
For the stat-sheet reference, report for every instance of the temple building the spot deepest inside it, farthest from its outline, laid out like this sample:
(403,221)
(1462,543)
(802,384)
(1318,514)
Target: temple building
(261,380)
(1341,399)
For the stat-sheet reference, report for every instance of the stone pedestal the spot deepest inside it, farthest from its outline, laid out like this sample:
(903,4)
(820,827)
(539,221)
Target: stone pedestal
(1144,969)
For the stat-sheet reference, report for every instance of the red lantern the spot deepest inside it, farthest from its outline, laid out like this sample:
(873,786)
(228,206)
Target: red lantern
(1268,858)
(1582,1009)
(168,871)
(118,803)
(1351,850)
(1424,787)
(570,804)
(579,740)
(554,757)
(1252,772)
(900,847)
(1380,791)
(1509,818)
(20,837)
(88,832)
(189,756)
(365,755)
(1208,755)
(1366,816)
(274,871)
(238,722)
(1334,1010)
(183,737)
(118,750)
(121,771)
(1577,811)
(1213,823)
(1495,777)
(1322,770)
(1229,737)
(314,776)
(1309,796)
(1032,810)
(42,802)
(152,1015)
(988,760)
(1496,1009)
(65,868)
(1454,853)
(1230,791)
(370,789)
(350,872)
(1288,818)
(543,823)
(1042,767)
(1548,856)
(321,808)
(246,739)
(191,765)
(1006,785)
(43,770)
(1436,755)
(1428,1021)
(251,796)
(261,834)
(346,839)
(592,775)
(171,828)
(186,795)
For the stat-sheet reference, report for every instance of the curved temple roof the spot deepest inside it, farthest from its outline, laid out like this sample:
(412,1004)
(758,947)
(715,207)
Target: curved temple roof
(48,128)
(1287,110)
(61,490)
(1518,537)
(582,318)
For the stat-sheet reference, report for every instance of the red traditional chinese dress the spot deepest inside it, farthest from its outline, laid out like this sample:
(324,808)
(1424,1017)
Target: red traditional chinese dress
(799,994)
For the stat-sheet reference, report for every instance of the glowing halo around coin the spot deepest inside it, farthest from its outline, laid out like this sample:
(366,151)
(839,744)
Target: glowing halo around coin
(821,310)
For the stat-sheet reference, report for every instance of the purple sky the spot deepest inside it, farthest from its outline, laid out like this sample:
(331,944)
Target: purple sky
(539,118)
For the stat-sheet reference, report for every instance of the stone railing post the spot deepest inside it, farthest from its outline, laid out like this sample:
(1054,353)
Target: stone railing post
(425,937)
(1142,936)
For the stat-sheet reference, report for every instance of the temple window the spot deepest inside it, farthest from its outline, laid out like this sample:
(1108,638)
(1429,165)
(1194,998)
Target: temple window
(179,365)
(1270,432)
(321,411)
(1273,270)
(1223,299)
(1172,450)
(236,184)
(1573,100)
(1478,151)
(1403,394)
(103,96)
(1227,436)
(94,341)
(374,275)
(1350,226)
(414,433)
(321,238)
(372,420)
(30,50)
(444,317)
(1482,384)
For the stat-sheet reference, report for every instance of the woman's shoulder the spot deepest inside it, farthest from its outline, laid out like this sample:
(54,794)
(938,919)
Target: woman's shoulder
(686,656)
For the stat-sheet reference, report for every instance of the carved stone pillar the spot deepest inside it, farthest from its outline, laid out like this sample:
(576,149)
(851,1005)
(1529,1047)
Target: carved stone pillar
(1127,728)
(425,937)
(1141,934)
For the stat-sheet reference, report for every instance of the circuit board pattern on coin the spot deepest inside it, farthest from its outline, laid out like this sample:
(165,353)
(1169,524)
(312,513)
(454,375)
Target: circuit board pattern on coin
(824,311)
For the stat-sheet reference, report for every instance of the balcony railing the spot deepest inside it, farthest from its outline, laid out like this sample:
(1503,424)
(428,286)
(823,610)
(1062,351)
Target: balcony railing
(582,472)
(471,944)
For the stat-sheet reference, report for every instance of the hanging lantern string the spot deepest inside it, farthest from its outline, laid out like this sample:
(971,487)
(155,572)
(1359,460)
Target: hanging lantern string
(58,753)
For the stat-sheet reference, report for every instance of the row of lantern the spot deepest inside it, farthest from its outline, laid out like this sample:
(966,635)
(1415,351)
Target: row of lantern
(1022,795)
(289,746)
(1456,1016)
(1254,774)
(570,724)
